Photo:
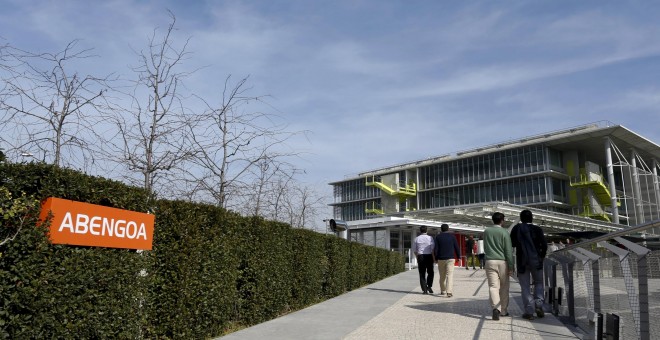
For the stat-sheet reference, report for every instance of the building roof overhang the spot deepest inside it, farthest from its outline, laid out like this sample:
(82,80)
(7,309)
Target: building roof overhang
(589,138)
(474,218)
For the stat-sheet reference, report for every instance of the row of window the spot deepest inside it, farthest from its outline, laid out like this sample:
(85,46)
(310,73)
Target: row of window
(462,172)
(354,190)
(526,190)
(495,165)
(354,210)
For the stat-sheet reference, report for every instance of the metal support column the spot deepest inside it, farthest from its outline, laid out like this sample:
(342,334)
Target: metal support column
(639,303)
(567,274)
(643,286)
(589,262)
(552,291)
(388,238)
(637,190)
(567,269)
(610,180)
(595,276)
(656,186)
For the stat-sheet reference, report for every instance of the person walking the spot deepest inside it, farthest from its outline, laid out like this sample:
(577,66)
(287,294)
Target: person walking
(423,248)
(499,265)
(481,253)
(531,248)
(446,251)
(469,250)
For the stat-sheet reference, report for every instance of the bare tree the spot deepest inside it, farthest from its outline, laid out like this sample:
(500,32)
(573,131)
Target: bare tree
(152,131)
(266,171)
(277,194)
(270,179)
(4,56)
(231,142)
(279,197)
(48,108)
(5,69)
(301,205)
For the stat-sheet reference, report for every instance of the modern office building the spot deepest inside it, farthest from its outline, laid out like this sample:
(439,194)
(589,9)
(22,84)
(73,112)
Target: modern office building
(598,178)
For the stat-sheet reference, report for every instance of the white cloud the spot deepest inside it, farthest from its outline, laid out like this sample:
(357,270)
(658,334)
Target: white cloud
(401,83)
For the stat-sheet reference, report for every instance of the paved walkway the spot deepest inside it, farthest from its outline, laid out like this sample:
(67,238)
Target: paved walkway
(394,308)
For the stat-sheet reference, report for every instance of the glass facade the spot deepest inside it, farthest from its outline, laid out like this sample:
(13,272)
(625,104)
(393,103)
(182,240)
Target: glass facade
(523,190)
(518,176)
(355,210)
(354,190)
(556,158)
(486,167)
(559,190)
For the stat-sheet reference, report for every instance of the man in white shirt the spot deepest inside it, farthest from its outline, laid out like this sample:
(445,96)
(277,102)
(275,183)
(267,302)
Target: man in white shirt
(481,253)
(423,249)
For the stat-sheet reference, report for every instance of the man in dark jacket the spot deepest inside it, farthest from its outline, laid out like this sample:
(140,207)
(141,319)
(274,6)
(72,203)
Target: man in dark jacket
(446,252)
(469,250)
(531,247)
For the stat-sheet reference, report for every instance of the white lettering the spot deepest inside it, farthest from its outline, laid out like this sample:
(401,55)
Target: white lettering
(128,229)
(81,224)
(102,226)
(67,222)
(108,226)
(94,225)
(142,232)
(120,230)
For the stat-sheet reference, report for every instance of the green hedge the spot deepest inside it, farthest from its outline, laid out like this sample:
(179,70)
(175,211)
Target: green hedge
(308,253)
(193,274)
(58,291)
(210,270)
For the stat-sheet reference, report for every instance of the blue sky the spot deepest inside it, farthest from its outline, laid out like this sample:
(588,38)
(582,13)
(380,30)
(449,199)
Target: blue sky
(383,82)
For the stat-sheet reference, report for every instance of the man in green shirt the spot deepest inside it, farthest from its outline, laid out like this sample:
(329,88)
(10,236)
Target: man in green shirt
(499,265)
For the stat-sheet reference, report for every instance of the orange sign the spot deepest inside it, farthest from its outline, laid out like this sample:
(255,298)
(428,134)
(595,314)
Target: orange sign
(85,224)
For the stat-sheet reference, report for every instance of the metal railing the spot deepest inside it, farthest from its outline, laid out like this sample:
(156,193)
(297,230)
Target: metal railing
(616,275)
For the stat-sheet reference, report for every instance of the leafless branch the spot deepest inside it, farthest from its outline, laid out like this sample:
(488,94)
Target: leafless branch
(152,130)
(49,108)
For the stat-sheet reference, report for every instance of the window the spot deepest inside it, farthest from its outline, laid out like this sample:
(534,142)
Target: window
(556,159)
(394,239)
(558,190)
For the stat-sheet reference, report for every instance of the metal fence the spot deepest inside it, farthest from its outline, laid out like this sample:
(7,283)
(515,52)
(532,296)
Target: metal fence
(596,282)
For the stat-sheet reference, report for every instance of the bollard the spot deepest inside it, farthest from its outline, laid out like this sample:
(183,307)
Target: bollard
(612,327)
(553,298)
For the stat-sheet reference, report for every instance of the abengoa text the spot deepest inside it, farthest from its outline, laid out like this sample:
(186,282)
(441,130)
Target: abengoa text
(102,226)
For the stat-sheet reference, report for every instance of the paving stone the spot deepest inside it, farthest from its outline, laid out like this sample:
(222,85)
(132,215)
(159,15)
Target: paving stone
(395,308)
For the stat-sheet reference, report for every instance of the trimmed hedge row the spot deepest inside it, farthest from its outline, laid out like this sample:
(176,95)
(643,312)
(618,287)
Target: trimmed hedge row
(53,291)
(210,270)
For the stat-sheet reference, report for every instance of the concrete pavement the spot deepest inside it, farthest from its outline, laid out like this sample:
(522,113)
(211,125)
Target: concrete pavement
(394,308)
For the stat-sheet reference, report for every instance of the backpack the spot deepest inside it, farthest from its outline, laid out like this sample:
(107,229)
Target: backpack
(530,253)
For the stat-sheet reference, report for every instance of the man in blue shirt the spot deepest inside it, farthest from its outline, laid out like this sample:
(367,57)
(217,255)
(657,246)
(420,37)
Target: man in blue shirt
(446,252)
